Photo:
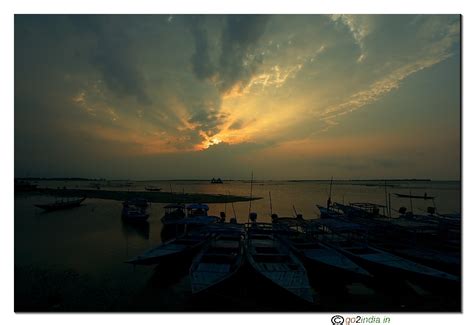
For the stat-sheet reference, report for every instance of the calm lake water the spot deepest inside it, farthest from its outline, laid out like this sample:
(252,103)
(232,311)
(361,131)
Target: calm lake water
(73,260)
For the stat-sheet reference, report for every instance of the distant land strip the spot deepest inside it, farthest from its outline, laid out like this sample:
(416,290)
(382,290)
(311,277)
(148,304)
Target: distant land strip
(156,197)
(228,180)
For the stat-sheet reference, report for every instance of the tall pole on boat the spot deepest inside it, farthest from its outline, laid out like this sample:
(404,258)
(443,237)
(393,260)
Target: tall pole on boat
(330,192)
(271,207)
(250,202)
(389,205)
(233,209)
(225,202)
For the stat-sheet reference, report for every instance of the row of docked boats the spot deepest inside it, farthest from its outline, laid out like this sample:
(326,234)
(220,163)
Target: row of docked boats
(287,253)
(426,239)
(223,249)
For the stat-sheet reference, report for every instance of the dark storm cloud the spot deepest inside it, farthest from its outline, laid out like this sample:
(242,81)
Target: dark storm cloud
(237,61)
(113,56)
(203,68)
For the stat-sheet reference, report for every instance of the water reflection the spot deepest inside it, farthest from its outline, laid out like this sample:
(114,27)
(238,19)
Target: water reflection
(141,229)
(169,232)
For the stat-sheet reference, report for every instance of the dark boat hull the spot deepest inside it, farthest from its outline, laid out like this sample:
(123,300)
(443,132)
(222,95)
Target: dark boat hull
(60,206)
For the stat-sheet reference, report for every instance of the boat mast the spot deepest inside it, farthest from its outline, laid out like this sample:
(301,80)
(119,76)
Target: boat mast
(250,202)
(271,207)
(330,192)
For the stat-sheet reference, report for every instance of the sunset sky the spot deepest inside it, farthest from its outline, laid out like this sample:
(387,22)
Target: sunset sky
(285,96)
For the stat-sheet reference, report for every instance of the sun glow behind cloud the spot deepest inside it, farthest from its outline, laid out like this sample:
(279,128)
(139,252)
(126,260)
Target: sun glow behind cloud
(182,84)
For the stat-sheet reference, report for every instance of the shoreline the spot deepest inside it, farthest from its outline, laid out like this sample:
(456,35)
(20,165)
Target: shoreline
(154,197)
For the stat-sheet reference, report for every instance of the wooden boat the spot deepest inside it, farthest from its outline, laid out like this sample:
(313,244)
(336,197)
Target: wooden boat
(196,214)
(197,209)
(382,261)
(185,245)
(321,256)
(350,240)
(132,213)
(409,196)
(137,201)
(328,213)
(275,262)
(135,210)
(61,205)
(173,212)
(218,261)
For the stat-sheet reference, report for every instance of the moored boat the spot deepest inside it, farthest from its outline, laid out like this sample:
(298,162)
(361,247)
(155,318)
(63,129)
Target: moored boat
(351,240)
(275,262)
(196,214)
(174,249)
(61,205)
(320,256)
(173,212)
(219,260)
(135,210)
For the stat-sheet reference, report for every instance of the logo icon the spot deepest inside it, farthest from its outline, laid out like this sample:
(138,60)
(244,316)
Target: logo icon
(337,320)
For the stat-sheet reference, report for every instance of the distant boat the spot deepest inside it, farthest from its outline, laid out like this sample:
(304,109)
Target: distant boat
(61,205)
(177,248)
(218,261)
(409,196)
(275,262)
(135,210)
(216,181)
(152,189)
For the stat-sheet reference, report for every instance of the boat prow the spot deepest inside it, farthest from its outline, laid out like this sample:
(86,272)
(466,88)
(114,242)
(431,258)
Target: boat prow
(275,262)
(218,261)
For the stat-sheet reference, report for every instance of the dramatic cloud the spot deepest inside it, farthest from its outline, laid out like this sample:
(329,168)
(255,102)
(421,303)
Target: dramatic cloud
(289,95)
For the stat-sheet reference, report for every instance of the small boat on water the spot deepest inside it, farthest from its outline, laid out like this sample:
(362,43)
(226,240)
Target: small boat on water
(219,260)
(216,181)
(409,196)
(174,249)
(61,205)
(274,262)
(173,212)
(134,214)
(135,210)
